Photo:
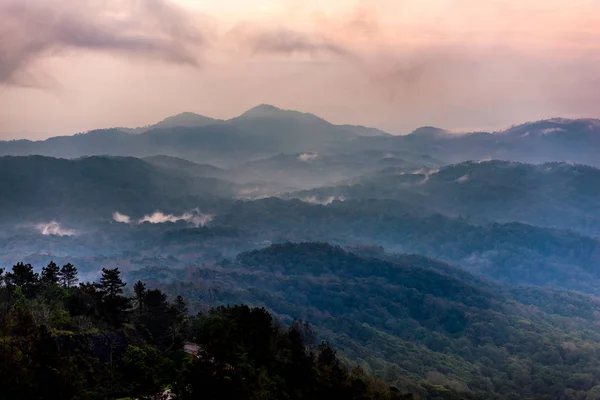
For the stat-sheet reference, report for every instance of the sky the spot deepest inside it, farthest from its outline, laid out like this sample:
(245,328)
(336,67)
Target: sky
(68,66)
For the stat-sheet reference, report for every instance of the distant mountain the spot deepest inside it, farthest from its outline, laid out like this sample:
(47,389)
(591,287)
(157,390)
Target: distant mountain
(260,132)
(537,142)
(312,169)
(514,253)
(289,131)
(185,119)
(267,111)
(42,187)
(186,168)
(556,195)
(429,132)
(364,130)
(266,131)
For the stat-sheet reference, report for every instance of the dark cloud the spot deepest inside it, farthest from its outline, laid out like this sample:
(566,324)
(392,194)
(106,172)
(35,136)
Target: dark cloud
(31,29)
(285,41)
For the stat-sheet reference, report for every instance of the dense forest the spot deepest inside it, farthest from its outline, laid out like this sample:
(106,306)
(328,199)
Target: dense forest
(406,316)
(64,340)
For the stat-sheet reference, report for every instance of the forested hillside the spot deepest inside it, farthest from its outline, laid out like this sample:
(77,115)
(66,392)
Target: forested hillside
(560,195)
(61,340)
(403,316)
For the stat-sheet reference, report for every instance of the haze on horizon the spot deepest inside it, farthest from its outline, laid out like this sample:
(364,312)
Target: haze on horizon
(68,66)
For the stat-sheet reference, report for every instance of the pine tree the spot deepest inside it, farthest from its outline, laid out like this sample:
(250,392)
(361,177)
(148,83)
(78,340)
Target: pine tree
(23,277)
(139,290)
(50,274)
(180,307)
(111,283)
(114,304)
(68,275)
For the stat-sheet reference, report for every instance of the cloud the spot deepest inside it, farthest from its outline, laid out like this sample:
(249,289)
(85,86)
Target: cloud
(122,218)
(194,217)
(287,41)
(463,179)
(306,157)
(31,30)
(53,228)
(324,201)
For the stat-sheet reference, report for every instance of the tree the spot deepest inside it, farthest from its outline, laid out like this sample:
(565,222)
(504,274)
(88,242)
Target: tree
(180,307)
(68,275)
(50,274)
(139,290)
(114,304)
(158,317)
(111,284)
(23,277)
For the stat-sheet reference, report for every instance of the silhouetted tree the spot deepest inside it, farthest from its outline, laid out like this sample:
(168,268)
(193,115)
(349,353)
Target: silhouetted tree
(68,275)
(114,304)
(139,291)
(23,277)
(50,274)
(111,283)
(180,306)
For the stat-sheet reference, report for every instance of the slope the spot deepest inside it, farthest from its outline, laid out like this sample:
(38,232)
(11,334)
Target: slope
(559,195)
(40,186)
(412,317)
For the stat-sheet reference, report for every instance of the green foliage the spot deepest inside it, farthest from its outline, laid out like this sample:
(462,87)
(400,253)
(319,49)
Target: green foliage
(241,352)
(50,274)
(402,316)
(23,277)
(68,275)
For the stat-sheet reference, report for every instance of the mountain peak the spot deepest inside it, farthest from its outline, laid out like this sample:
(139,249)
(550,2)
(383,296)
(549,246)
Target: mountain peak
(263,109)
(185,119)
(429,131)
(270,111)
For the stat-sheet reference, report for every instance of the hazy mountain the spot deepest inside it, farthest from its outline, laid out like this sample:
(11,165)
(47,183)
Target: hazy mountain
(555,195)
(537,142)
(429,132)
(260,132)
(285,172)
(364,130)
(185,119)
(43,187)
(265,131)
(185,167)
(513,253)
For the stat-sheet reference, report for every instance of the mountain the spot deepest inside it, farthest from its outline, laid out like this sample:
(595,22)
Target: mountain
(559,195)
(413,317)
(551,140)
(513,253)
(258,133)
(364,130)
(33,187)
(289,131)
(429,132)
(185,119)
(265,131)
(284,172)
(185,167)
